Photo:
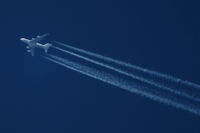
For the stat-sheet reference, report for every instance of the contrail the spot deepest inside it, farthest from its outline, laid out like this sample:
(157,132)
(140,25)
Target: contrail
(131,66)
(144,80)
(123,84)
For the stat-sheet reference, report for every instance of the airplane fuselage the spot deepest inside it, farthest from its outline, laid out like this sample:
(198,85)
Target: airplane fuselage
(32,44)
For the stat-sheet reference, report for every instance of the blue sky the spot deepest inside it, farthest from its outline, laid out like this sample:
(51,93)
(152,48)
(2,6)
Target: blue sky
(39,96)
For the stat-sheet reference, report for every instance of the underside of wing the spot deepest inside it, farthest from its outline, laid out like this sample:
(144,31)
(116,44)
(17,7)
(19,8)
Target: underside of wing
(32,52)
(39,38)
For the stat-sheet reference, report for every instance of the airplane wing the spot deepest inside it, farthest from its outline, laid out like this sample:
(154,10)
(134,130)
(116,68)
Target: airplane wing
(31,50)
(39,38)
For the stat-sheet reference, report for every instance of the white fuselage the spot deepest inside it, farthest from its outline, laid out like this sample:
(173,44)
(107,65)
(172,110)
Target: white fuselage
(32,44)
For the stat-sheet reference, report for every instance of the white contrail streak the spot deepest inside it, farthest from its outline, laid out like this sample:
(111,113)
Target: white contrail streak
(144,70)
(121,83)
(148,81)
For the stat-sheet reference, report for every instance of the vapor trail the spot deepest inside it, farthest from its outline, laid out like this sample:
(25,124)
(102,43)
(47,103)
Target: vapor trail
(131,66)
(139,78)
(123,84)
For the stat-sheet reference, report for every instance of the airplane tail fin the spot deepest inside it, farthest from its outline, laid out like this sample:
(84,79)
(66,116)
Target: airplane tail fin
(46,47)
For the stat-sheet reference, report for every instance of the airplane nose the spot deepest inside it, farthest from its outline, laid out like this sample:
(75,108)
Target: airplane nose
(23,40)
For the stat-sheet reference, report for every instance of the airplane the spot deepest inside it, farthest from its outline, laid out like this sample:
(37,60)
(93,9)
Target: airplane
(34,43)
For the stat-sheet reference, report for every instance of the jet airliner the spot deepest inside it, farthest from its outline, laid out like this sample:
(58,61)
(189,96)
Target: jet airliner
(34,43)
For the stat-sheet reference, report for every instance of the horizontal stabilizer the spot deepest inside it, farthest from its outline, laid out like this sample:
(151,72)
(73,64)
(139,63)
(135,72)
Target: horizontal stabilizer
(46,47)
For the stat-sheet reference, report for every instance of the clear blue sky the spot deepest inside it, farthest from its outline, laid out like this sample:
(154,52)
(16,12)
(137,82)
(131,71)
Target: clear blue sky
(37,96)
